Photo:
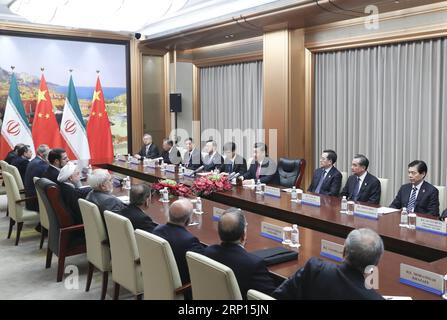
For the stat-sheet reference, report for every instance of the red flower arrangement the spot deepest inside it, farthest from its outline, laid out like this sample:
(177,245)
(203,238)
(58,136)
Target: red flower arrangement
(206,185)
(176,189)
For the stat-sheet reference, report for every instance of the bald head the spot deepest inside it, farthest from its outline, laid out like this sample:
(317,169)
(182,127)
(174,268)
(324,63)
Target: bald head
(231,225)
(180,211)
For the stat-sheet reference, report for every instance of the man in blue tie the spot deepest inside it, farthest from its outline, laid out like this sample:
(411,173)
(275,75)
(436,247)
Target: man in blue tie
(361,185)
(326,179)
(417,196)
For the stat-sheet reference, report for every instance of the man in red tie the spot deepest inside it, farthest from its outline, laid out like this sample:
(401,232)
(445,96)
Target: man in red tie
(262,167)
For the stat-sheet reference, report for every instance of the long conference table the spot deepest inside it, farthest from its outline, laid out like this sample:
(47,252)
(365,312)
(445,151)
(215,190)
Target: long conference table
(327,218)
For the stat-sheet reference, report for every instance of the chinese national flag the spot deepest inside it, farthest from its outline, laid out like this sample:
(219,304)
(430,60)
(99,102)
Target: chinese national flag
(45,129)
(98,129)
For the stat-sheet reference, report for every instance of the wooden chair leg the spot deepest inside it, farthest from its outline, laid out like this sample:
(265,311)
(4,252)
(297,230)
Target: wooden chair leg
(105,280)
(11,224)
(116,292)
(7,212)
(91,267)
(19,230)
(42,236)
(49,257)
(60,266)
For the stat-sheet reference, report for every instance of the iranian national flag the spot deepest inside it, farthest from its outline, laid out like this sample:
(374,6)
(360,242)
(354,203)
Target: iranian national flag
(73,126)
(98,128)
(15,127)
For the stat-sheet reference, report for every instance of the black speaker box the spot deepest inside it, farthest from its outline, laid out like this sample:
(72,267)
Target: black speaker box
(175,102)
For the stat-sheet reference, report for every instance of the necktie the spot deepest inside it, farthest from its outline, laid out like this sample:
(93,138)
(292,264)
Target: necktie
(231,167)
(320,183)
(258,171)
(412,200)
(355,194)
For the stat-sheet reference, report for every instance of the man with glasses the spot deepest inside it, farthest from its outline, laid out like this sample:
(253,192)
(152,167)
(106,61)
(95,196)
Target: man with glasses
(326,179)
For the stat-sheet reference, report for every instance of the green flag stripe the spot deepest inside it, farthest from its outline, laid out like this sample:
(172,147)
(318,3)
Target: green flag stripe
(14,95)
(73,99)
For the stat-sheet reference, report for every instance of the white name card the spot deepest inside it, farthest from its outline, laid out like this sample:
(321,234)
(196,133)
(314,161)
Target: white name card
(217,213)
(422,279)
(188,172)
(311,199)
(331,250)
(271,231)
(149,163)
(366,212)
(431,225)
(272,191)
(170,168)
(121,158)
(134,161)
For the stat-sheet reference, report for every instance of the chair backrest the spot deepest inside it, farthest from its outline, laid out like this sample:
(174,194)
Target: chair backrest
(253,294)
(160,271)
(291,172)
(442,199)
(3,164)
(344,179)
(385,200)
(58,215)
(98,250)
(16,174)
(12,194)
(42,210)
(123,247)
(211,280)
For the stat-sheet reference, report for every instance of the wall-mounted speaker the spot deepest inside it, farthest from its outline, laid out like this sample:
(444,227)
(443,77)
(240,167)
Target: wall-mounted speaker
(175,102)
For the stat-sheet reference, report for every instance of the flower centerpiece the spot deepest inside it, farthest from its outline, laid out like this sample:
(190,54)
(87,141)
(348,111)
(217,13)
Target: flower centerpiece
(206,185)
(176,189)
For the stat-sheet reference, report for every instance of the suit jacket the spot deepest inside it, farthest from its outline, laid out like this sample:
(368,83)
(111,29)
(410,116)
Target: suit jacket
(192,162)
(36,168)
(105,201)
(172,157)
(151,153)
(21,164)
(51,173)
(250,270)
(321,280)
(181,240)
(444,214)
(269,171)
(331,183)
(138,218)
(70,196)
(240,165)
(212,163)
(369,191)
(426,202)
(10,157)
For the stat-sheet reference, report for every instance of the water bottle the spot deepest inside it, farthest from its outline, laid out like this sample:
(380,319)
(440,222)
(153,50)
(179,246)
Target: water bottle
(412,220)
(295,237)
(181,169)
(404,218)
(129,158)
(198,205)
(258,187)
(344,205)
(90,170)
(165,195)
(294,194)
(127,183)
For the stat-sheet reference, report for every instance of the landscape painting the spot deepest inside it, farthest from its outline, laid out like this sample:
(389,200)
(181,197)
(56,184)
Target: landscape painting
(86,60)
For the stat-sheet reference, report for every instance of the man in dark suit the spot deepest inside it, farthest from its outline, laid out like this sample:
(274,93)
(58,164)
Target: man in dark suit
(13,153)
(148,150)
(321,280)
(192,158)
(326,179)
(418,195)
(180,239)
(262,167)
(69,179)
(213,159)
(139,200)
(233,162)
(170,153)
(362,186)
(57,158)
(21,162)
(249,270)
(36,168)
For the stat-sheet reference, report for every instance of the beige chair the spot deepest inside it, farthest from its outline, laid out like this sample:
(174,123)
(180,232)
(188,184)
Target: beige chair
(161,279)
(253,294)
(385,199)
(442,199)
(2,188)
(43,215)
(16,174)
(98,249)
(211,280)
(125,257)
(17,211)
(344,179)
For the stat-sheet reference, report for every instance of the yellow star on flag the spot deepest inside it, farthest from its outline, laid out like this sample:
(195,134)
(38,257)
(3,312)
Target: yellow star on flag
(100,115)
(41,96)
(93,113)
(96,95)
(40,115)
(47,116)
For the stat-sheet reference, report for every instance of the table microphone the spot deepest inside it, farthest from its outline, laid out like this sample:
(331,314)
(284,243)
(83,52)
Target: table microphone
(198,169)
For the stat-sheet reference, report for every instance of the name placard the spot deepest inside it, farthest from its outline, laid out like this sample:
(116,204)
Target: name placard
(431,225)
(271,231)
(149,163)
(217,213)
(272,191)
(422,279)
(310,199)
(170,168)
(134,161)
(331,250)
(366,212)
(121,158)
(188,173)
